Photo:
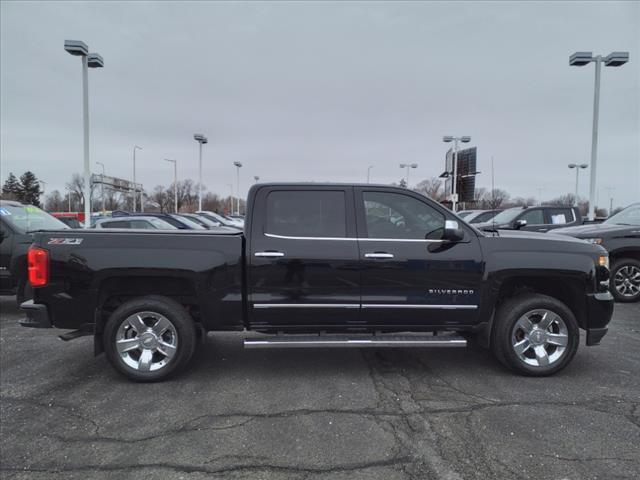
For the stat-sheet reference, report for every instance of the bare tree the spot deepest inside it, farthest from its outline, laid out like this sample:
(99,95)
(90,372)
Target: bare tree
(54,202)
(432,188)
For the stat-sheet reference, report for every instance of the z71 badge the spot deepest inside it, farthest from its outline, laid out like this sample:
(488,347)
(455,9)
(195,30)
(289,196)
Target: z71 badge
(64,241)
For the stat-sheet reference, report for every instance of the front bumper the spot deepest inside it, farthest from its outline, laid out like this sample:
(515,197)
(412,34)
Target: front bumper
(37,315)
(599,313)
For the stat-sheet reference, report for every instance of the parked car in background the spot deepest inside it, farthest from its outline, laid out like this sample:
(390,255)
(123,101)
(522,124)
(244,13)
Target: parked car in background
(478,216)
(189,222)
(72,219)
(221,219)
(71,222)
(205,222)
(17,221)
(620,236)
(177,222)
(137,222)
(536,219)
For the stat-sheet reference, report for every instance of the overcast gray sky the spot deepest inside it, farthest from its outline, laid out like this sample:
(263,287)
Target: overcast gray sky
(320,91)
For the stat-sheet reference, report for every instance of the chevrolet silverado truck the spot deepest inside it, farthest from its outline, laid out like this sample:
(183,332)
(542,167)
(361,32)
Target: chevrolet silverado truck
(323,265)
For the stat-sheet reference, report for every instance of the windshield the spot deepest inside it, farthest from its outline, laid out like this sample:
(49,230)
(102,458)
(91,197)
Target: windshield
(465,213)
(628,216)
(189,223)
(27,218)
(507,215)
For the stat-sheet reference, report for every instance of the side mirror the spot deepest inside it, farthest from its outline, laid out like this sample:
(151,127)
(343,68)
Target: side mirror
(519,224)
(452,231)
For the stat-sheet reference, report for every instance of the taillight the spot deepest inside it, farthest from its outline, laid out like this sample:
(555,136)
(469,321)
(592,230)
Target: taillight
(38,261)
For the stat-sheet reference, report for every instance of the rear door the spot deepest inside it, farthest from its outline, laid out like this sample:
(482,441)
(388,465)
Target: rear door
(303,258)
(410,276)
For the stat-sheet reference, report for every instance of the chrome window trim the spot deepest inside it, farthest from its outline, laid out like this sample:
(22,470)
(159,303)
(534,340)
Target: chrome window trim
(363,306)
(353,239)
(424,306)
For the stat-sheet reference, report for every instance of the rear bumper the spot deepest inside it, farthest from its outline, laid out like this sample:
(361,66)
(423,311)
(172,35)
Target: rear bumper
(599,313)
(37,315)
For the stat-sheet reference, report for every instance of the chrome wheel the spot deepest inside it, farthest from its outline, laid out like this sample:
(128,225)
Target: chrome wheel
(540,338)
(146,341)
(627,281)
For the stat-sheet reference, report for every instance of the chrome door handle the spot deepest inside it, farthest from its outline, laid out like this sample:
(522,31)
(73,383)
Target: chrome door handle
(269,254)
(378,255)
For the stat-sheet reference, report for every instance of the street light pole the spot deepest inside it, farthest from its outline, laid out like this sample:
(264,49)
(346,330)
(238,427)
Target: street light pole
(456,140)
(135,186)
(201,139)
(256,178)
(175,183)
(230,185)
(89,60)
(102,185)
(580,59)
(238,165)
(407,166)
(577,167)
(369,173)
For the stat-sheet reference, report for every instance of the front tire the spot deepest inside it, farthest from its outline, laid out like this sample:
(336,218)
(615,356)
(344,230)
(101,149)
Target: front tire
(625,280)
(535,335)
(149,338)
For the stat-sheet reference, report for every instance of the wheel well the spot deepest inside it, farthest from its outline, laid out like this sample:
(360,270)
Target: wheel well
(613,256)
(568,291)
(114,291)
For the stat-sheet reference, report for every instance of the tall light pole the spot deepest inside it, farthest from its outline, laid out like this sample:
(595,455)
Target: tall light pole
(577,167)
(135,185)
(102,185)
(238,166)
(456,141)
(201,139)
(407,166)
(369,173)
(230,185)
(68,198)
(580,59)
(89,60)
(175,183)
(256,178)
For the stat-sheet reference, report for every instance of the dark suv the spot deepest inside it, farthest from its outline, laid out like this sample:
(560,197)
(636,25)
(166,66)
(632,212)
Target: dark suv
(536,219)
(620,236)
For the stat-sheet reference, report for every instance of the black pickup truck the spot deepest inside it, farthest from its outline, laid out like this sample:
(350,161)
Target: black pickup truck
(323,266)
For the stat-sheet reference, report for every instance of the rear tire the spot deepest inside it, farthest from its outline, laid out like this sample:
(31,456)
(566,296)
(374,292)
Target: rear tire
(625,280)
(149,338)
(535,335)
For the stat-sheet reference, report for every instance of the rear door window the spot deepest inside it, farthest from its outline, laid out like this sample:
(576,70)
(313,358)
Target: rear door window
(559,216)
(117,224)
(306,213)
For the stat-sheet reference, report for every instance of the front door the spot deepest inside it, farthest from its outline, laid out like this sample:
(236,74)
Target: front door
(303,259)
(410,276)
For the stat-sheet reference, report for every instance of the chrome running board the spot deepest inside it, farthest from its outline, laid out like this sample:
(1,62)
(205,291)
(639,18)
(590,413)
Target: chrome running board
(354,341)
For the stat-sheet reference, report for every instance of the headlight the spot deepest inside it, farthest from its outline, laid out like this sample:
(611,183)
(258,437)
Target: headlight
(597,241)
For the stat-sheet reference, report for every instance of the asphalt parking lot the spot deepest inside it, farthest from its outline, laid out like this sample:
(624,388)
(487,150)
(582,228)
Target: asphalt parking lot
(318,414)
